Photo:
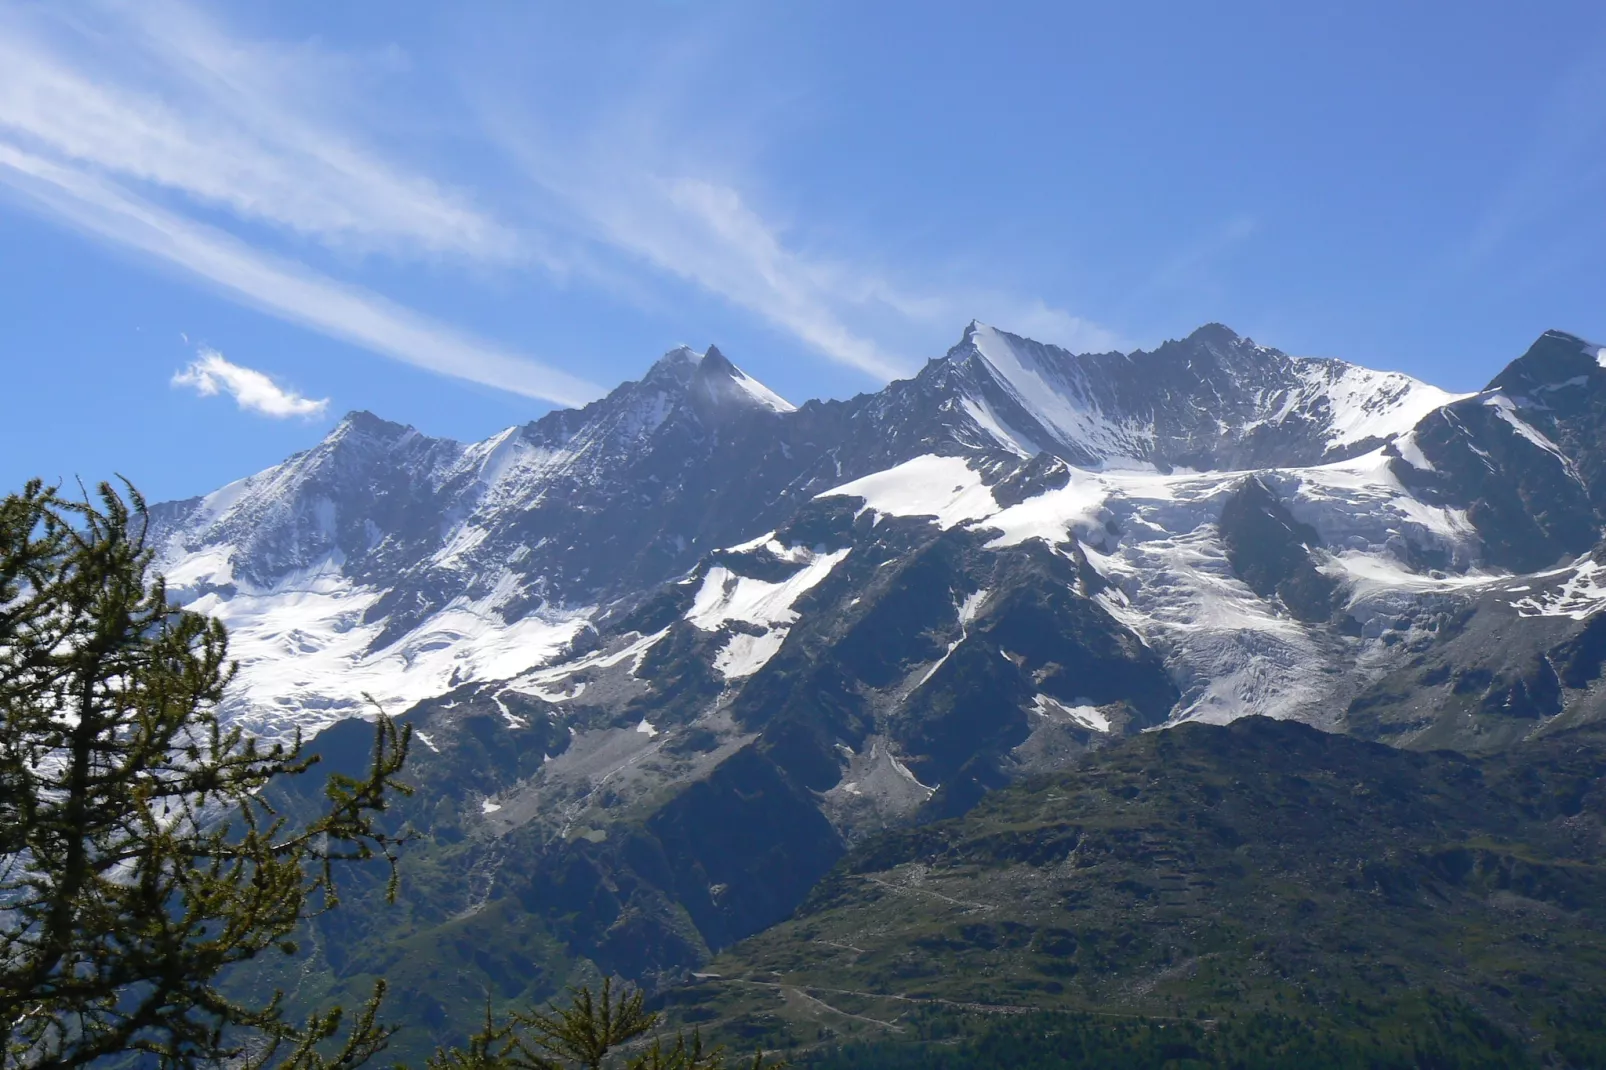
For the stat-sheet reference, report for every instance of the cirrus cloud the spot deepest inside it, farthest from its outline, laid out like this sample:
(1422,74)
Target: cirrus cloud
(268,168)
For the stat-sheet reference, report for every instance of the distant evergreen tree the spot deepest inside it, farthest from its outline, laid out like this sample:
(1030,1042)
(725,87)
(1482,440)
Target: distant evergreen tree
(138,858)
(582,1036)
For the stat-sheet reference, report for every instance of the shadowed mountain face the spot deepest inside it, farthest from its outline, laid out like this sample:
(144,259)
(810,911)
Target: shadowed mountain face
(1522,459)
(670,656)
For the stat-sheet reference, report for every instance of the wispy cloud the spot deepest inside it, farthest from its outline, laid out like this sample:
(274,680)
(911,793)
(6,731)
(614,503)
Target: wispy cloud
(95,150)
(284,288)
(157,130)
(219,121)
(211,374)
(657,167)
(692,225)
(705,232)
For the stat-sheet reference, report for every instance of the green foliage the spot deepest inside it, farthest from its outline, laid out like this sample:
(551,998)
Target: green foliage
(1258,869)
(139,858)
(1419,1032)
(583,1035)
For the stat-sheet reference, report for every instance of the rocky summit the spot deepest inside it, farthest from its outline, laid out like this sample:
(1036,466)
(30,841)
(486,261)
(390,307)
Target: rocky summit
(669,657)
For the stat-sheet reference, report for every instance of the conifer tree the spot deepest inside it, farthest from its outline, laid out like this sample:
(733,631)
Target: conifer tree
(589,1033)
(139,859)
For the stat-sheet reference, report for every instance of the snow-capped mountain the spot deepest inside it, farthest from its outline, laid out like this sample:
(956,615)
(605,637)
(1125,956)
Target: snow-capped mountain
(389,563)
(386,562)
(1211,402)
(667,655)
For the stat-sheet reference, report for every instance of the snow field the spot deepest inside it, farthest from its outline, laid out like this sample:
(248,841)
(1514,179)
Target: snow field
(945,488)
(728,596)
(306,657)
(1232,652)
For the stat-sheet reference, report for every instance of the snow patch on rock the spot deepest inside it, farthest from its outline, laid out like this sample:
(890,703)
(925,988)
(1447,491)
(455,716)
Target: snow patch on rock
(1054,515)
(727,596)
(1412,453)
(1090,717)
(743,655)
(1581,594)
(761,393)
(945,488)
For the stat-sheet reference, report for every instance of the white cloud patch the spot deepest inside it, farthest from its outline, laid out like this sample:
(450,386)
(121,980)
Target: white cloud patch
(211,374)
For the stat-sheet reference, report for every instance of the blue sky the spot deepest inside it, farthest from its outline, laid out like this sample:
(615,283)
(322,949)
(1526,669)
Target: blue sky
(223,227)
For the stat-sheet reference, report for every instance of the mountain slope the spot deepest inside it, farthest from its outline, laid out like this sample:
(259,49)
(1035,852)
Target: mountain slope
(671,656)
(406,565)
(386,561)
(1261,867)
(1213,401)
(929,614)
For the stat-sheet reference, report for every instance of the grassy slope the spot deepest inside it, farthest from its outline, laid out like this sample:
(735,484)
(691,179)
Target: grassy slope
(1262,871)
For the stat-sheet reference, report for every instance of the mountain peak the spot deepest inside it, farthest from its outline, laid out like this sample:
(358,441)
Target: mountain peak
(976,332)
(365,420)
(1556,357)
(725,383)
(713,361)
(1215,334)
(364,424)
(674,364)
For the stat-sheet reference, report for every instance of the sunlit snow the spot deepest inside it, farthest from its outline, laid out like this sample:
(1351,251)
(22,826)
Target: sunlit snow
(724,595)
(1053,515)
(728,596)
(743,654)
(1364,403)
(1085,715)
(1412,453)
(761,393)
(942,487)
(1051,397)
(555,684)
(1581,595)
(305,653)
(1506,409)
(1153,536)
